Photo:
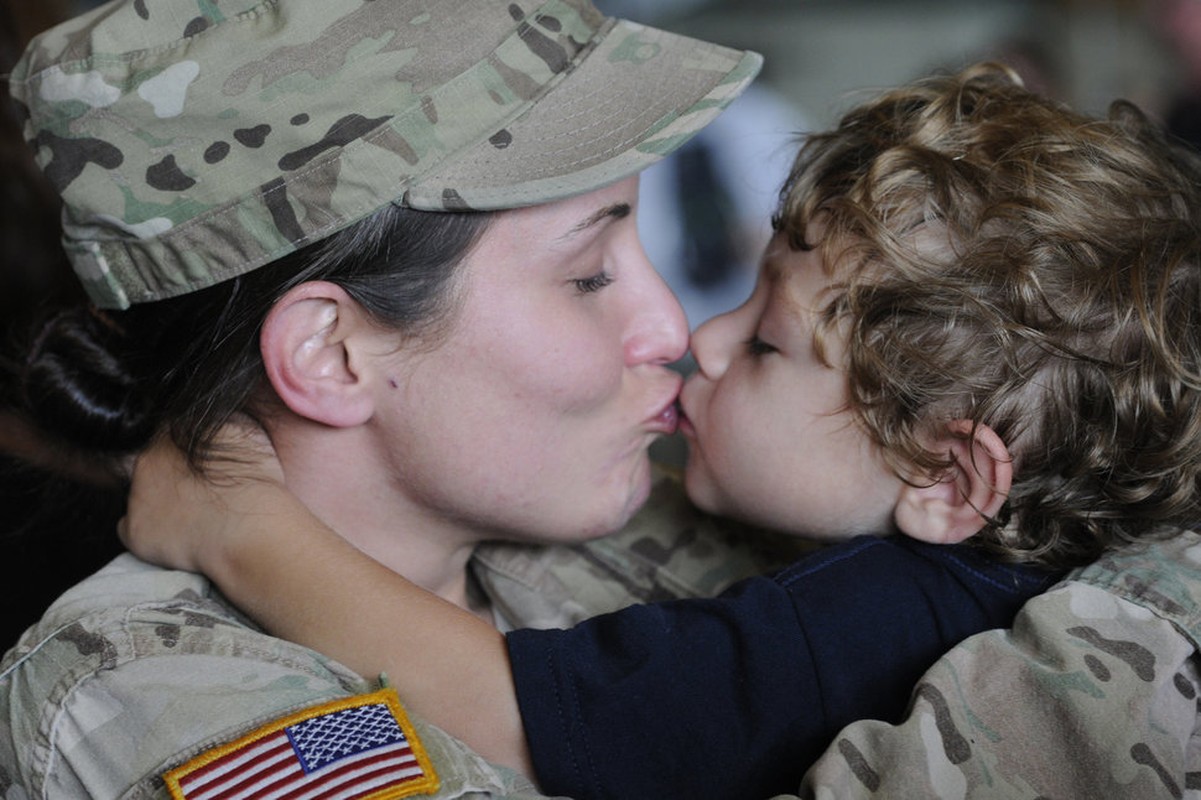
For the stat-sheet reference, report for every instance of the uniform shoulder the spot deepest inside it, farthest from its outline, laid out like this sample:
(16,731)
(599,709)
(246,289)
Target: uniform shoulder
(136,664)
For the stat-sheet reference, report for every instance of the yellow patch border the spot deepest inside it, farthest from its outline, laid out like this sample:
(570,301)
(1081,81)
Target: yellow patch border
(424,785)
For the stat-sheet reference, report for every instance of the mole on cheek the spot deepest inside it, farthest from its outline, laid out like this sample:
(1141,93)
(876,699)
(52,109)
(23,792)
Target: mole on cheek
(392,382)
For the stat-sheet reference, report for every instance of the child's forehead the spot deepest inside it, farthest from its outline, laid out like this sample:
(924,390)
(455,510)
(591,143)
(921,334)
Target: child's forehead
(796,280)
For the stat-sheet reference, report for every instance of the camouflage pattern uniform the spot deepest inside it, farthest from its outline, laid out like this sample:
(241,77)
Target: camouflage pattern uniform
(138,669)
(1092,694)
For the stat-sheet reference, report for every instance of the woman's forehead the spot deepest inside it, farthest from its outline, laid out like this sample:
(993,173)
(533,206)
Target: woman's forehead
(581,206)
(563,224)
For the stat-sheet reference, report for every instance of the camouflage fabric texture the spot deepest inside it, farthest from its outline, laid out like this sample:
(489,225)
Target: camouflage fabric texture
(192,142)
(138,669)
(1092,694)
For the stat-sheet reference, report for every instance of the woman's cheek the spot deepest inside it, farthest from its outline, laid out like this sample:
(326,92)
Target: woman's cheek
(586,384)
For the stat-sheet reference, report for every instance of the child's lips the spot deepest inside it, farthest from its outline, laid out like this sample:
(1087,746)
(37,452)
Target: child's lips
(685,425)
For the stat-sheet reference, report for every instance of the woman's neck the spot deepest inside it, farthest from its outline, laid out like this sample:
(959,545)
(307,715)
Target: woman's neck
(356,497)
(434,556)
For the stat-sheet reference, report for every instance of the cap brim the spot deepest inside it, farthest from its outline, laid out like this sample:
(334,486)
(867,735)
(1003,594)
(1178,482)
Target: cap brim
(635,98)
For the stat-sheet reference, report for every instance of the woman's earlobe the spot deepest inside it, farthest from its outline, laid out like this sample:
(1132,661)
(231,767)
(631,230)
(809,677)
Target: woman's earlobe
(308,344)
(973,489)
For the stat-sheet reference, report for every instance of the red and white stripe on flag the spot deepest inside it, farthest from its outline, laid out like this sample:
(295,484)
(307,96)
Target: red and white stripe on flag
(355,748)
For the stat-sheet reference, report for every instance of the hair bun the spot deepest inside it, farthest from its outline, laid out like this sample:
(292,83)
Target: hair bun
(76,384)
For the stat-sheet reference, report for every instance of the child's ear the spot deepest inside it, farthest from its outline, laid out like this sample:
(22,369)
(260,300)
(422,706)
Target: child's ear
(312,346)
(973,488)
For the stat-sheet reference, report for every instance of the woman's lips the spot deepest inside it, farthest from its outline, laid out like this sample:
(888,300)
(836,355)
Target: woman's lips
(667,420)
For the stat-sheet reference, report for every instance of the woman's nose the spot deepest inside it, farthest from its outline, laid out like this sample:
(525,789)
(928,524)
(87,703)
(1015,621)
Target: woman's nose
(658,332)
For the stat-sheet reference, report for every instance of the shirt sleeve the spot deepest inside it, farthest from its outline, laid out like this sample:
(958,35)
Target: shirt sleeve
(734,696)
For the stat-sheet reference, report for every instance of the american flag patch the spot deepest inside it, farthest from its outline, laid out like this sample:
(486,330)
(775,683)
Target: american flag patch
(358,748)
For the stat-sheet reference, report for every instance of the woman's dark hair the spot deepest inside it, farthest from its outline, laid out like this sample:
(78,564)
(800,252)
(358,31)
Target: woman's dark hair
(105,382)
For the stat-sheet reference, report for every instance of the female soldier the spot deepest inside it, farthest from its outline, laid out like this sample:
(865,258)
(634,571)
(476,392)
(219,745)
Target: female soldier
(248,193)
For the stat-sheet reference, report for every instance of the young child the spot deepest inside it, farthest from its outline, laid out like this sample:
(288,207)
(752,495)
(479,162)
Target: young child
(975,329)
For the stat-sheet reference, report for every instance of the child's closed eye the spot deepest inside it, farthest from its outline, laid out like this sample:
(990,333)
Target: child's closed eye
(757,347)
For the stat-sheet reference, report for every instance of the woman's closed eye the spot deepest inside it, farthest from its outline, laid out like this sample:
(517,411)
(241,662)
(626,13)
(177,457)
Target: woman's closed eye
(593,283)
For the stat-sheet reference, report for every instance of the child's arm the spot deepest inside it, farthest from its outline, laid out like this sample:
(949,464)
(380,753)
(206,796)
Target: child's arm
(721,698)
(302,582)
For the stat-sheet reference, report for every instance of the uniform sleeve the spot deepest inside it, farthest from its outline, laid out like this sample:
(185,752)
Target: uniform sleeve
(735,696)
(1089,695)
(117,687)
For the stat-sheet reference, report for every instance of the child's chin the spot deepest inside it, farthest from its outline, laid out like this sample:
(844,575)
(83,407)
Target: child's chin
(699,487)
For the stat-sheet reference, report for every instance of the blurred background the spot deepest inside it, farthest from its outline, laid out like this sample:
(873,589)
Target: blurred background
(822,54)
(1085,51)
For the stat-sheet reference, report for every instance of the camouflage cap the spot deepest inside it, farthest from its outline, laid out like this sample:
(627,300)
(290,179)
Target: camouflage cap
(193,141)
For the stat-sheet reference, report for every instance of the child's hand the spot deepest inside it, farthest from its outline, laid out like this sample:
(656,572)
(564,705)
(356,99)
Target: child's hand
(182,519)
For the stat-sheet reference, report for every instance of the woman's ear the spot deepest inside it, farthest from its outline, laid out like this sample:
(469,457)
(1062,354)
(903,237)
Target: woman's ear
(312,345)
(972,489)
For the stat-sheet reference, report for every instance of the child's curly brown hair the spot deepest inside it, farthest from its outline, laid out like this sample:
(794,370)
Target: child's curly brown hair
(1001,259)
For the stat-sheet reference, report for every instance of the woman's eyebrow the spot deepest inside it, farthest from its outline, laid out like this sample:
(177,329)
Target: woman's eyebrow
(615,211)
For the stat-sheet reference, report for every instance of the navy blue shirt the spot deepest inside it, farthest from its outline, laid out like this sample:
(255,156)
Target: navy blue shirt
(735,696)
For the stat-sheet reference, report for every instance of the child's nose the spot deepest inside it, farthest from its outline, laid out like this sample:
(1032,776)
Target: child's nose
(711,346)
